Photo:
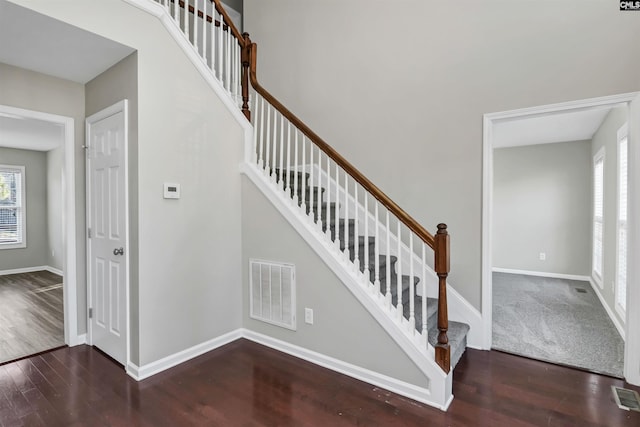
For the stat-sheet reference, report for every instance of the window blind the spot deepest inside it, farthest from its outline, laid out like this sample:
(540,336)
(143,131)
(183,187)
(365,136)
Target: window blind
(621,274)
(11,206)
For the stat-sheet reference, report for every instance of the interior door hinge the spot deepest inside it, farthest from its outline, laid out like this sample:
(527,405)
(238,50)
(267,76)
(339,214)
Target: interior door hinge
(90,313)
(89,232)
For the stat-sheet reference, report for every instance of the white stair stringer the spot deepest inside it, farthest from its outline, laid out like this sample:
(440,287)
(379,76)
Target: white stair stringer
(438,392)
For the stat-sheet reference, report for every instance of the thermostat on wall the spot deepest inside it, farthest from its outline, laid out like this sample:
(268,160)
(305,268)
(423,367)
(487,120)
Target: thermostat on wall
(171,191)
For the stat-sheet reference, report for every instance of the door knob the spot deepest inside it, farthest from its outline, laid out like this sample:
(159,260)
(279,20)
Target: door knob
(118,251)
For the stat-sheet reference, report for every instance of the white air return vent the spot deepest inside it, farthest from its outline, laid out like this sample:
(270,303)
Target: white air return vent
(272,293)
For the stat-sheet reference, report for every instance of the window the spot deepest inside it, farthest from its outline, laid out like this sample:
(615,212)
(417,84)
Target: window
(598,214)
(12,209)
(621,253)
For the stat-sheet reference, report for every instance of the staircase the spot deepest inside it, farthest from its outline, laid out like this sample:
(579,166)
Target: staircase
(376,249)
(325,212)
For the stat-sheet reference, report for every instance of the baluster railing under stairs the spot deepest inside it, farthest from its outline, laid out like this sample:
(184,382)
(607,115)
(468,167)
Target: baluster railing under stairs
(369,231)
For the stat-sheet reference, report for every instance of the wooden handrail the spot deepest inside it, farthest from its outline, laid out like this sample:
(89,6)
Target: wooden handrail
(404,217)
(229,22)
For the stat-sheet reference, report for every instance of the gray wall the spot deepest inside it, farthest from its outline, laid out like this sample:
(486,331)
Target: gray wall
(35,254)
(400,90)
(542,203)
(364,343)
(607,137)
(34,91)
(55,240)
(115,84)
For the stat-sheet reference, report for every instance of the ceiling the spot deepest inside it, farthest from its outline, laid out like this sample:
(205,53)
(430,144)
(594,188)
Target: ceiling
(29,134)
(549,128)
(39,43)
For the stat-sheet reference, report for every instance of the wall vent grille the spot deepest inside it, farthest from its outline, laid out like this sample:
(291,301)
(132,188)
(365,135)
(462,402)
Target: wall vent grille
(272,293)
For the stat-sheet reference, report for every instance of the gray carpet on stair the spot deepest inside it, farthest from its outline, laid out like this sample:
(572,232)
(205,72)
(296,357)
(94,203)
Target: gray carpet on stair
(549,320)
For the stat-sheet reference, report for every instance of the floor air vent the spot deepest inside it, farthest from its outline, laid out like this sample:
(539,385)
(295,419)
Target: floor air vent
(272,293)
(581,290)
(626,399)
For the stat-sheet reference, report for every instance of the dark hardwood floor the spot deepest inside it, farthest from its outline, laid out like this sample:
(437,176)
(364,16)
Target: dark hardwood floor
(31,314)
(245,384)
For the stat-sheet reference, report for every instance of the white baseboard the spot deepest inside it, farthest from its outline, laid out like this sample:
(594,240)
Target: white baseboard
(412,391)
(23,270)
(31,270)
(541,274)
(139,373)
(54,270)
(610,312)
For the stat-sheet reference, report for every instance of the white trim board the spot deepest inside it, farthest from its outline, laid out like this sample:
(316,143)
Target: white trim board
(139,373)
(71,337)
(610,313)
(542,274)
(489,120)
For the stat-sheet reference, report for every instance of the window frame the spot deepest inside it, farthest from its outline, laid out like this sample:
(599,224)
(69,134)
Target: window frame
(623,136)
(21,207)
(598,273)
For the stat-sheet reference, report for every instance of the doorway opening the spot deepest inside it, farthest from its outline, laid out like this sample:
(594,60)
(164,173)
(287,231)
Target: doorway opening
(38,274)
(537,268)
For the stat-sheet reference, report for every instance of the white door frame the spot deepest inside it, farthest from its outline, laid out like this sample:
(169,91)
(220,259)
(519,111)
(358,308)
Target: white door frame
(489,121)
(69,284)
(121,106)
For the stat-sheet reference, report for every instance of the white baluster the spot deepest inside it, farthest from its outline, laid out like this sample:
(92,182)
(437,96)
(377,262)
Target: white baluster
(319,198)
(287,185)
(424,293)
(227,59)
(367,272)
(267,168)
(412,313)
(220,49)
(167,5)
(274,153)
(234,66)
(205,25)
(281,143)
(356,238)
(186,19)
(399,272)
(238,73)
(303,205)
(346,214)
(328,198)
(387,276)
(376,251)
(336,212)
(176,12)
(311,175)
(261,146)
(296,171)
(213,39)
(196,20)
(254,155)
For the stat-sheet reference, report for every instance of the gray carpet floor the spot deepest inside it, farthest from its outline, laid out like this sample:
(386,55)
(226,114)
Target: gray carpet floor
(549,320)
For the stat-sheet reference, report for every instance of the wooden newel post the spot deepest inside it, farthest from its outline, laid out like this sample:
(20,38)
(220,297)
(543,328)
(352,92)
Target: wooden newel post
(246,62)
(442,266)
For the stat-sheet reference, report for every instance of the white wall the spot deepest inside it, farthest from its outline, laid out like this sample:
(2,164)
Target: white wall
(189,250)
(607,136)
(400,88)
(542,203)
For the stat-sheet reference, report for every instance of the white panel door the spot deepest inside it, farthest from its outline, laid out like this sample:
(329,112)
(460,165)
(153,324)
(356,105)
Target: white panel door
(107,222)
